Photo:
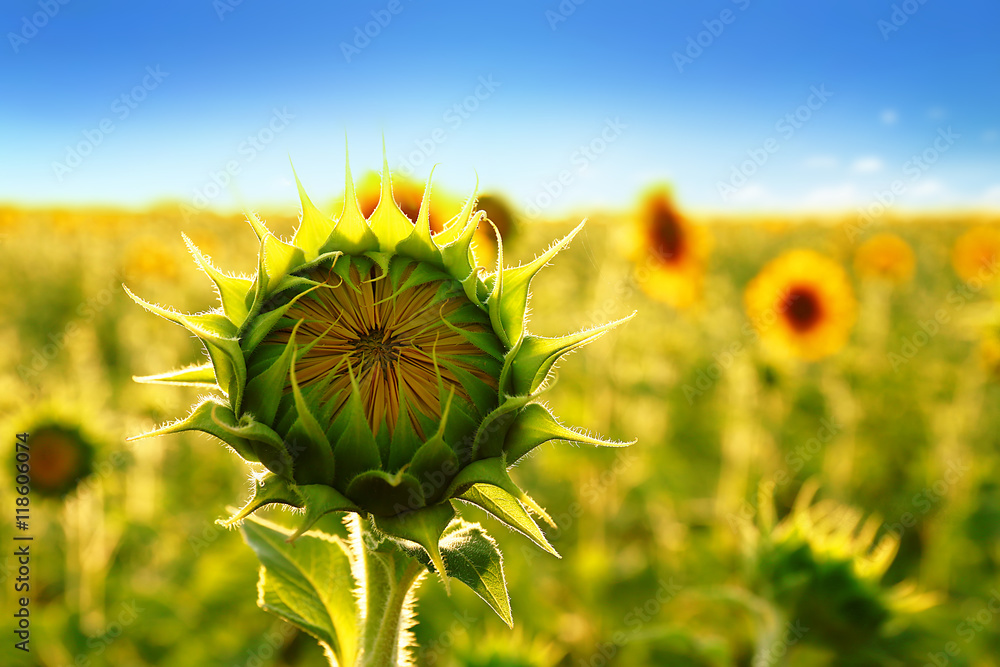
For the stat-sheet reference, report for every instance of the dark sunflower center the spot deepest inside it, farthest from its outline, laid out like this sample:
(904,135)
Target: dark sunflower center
(803,308)
(55,460)
(377,346)
(666,230)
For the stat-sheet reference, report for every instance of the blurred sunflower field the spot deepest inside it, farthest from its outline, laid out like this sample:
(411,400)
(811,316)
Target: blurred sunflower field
(813,484)
(769,232)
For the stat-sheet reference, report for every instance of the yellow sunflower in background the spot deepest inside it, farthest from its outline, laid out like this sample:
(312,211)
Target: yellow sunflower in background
(148,257)
(976,254)
(669,252)
(802,302)
(885,257)
(408,194)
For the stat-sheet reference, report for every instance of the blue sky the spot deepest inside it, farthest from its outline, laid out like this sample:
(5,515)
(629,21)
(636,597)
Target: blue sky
(741,104)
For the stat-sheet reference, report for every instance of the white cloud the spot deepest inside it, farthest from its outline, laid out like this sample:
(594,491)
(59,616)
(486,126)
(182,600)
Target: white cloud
(867,165)
(936,113)
(991,135)
(889,116)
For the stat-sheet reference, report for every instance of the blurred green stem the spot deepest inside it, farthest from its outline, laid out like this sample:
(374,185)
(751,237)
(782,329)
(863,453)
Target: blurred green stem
(389,577)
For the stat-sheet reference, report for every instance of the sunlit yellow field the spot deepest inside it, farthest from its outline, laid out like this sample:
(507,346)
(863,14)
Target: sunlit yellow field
(857,360)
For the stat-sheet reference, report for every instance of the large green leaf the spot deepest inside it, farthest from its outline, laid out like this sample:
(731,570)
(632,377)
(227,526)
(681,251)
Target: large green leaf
(308,584)
(472,557)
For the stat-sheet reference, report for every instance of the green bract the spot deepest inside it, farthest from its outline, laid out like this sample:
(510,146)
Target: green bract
(371,367)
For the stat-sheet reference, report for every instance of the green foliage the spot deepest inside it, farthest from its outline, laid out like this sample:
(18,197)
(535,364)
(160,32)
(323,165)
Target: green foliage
(309,585)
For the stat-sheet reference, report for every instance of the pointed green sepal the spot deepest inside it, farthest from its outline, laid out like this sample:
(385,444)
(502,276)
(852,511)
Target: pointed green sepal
(494,472)
(418,244)
(492,431)
(191,376)
(495,288)
(471,286)
(356,450)
(435,464)
(314,227)
(352,235)
(320,500)
(458,257)
(387,221)
(280,259)
(423,527)
(453,228)
(535,425)
(381,259)
(536,356)
(261,398)
(219,337)
(386,494)
(267,490)
(232,289)
(404,442)
(318,444)
(266,443)
(509,301)
(508,509)
(200,419)
(262,325)
(259,228)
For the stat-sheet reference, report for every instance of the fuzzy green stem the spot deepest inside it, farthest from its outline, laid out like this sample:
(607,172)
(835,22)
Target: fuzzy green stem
(389,577)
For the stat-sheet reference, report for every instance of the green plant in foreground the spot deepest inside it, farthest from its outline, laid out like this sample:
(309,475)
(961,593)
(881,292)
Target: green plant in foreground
(372,368)
(821,571)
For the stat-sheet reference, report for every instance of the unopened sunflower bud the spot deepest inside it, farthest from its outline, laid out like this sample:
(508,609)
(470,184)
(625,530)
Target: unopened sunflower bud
(372,367)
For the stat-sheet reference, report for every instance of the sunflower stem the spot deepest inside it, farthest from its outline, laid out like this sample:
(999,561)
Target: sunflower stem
(389,589)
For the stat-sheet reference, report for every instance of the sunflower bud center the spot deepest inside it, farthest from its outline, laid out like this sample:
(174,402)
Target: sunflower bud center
(403,341)
(377,347)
